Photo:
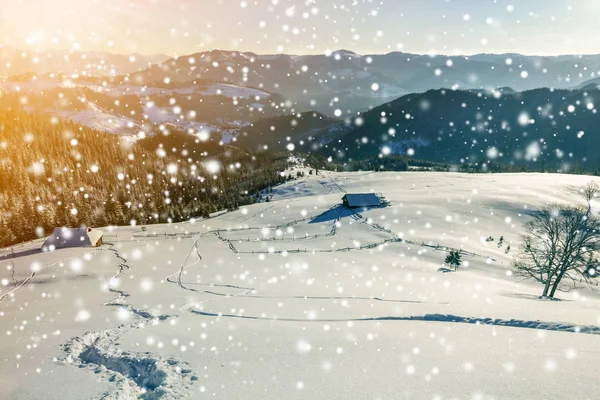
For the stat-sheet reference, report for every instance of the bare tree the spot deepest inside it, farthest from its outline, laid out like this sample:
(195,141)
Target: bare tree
(560,244)
(589,192)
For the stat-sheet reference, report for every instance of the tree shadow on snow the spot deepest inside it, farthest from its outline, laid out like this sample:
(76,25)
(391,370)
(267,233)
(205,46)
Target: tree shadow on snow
(19,254)
(46,280)
(444,318)
(511,208)
(529,297)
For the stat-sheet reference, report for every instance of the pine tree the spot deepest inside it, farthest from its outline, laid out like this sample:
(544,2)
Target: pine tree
(453,259)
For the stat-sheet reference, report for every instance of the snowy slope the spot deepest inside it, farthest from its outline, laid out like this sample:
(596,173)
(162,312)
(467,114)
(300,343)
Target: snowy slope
(213,107)
(97,118)
(299,298)
(36,85)
(234,91)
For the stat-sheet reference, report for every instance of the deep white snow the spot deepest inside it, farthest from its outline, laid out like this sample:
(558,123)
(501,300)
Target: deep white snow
(299,298)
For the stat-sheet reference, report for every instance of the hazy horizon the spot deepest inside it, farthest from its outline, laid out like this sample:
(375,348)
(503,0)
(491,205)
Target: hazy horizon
(304,54)
(178,27)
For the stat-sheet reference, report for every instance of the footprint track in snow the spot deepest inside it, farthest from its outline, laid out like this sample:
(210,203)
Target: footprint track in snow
(134,375)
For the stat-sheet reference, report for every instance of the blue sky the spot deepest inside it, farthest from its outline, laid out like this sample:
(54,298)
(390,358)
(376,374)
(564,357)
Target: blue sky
(173,27)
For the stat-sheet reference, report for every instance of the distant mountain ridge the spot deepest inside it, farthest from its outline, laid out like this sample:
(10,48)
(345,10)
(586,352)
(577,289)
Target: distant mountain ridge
(349,82)
(91,63)
(342,81)
(591,84)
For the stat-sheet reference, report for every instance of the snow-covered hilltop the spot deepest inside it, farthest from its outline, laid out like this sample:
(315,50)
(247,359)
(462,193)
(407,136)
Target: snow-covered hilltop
(300,297)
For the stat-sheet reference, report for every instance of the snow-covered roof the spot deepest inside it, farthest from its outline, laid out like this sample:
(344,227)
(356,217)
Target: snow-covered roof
(362,199)
(72,237)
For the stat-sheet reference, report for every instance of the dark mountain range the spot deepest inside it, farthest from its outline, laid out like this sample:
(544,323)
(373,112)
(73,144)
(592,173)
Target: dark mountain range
(558,128)
(258,100)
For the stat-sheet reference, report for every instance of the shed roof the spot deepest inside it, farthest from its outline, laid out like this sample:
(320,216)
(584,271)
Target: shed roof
(362,199)
(72,237)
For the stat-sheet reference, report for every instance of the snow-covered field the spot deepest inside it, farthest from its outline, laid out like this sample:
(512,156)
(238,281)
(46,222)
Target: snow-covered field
(299,298)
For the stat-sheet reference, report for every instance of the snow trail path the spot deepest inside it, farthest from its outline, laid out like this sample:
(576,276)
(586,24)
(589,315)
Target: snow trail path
(447,318)
(134,375)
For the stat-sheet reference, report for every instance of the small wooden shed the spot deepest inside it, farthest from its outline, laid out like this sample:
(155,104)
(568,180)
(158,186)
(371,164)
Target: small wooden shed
(358,200)
(73,237)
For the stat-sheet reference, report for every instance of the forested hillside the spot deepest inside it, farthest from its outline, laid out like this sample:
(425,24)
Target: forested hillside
(557,128)
(538,129)
(61,174)
(279,132)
